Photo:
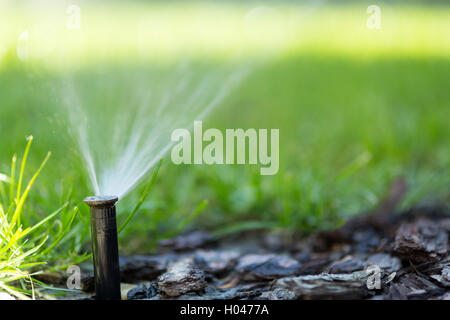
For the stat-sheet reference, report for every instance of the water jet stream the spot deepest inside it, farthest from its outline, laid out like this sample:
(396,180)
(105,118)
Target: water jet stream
(120,145)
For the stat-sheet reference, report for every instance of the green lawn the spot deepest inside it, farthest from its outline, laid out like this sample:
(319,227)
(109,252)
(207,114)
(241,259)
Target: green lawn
(355,108)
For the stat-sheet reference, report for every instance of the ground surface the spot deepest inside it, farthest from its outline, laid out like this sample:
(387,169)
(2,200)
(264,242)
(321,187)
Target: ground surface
(376,256)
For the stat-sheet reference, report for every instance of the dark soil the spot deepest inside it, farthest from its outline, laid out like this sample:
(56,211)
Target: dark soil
(380,255)
(400,256)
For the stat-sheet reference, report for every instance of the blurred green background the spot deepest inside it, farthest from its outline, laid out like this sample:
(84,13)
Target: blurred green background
(356,107)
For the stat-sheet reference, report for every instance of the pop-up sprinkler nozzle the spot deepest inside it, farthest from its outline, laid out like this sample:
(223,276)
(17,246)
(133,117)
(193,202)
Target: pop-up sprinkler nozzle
(105,247)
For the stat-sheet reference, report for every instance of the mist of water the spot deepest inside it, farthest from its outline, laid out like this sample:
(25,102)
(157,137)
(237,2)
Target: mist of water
(123,127)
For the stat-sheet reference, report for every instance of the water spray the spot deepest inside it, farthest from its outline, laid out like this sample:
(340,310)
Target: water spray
(105,247)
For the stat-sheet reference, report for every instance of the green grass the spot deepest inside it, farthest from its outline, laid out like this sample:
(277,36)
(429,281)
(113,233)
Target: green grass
(355,109)
(25,247)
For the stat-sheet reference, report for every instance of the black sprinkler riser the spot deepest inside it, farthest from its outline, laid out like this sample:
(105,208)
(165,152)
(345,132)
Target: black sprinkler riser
(105,247)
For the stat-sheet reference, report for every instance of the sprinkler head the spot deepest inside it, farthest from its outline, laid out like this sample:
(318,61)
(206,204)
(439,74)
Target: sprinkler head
(101,201)
(105,247)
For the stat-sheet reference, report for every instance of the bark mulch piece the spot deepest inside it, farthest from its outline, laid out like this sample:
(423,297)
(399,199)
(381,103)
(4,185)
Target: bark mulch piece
(421,241)
(327,286)
(266,266)
(181,277)
(408,259)
(380,255)
(413,286)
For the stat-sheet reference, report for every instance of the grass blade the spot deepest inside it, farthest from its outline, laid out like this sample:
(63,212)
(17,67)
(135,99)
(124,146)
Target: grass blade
(13,179)
(143,197)
(22,167)
(21,202)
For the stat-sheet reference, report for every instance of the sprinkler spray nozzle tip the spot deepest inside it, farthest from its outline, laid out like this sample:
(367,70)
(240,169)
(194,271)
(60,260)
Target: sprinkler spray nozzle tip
(101,201)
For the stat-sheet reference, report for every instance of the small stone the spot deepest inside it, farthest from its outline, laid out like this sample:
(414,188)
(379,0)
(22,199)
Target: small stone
(266,266)
(216,262)
(138,293)
(182,277)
